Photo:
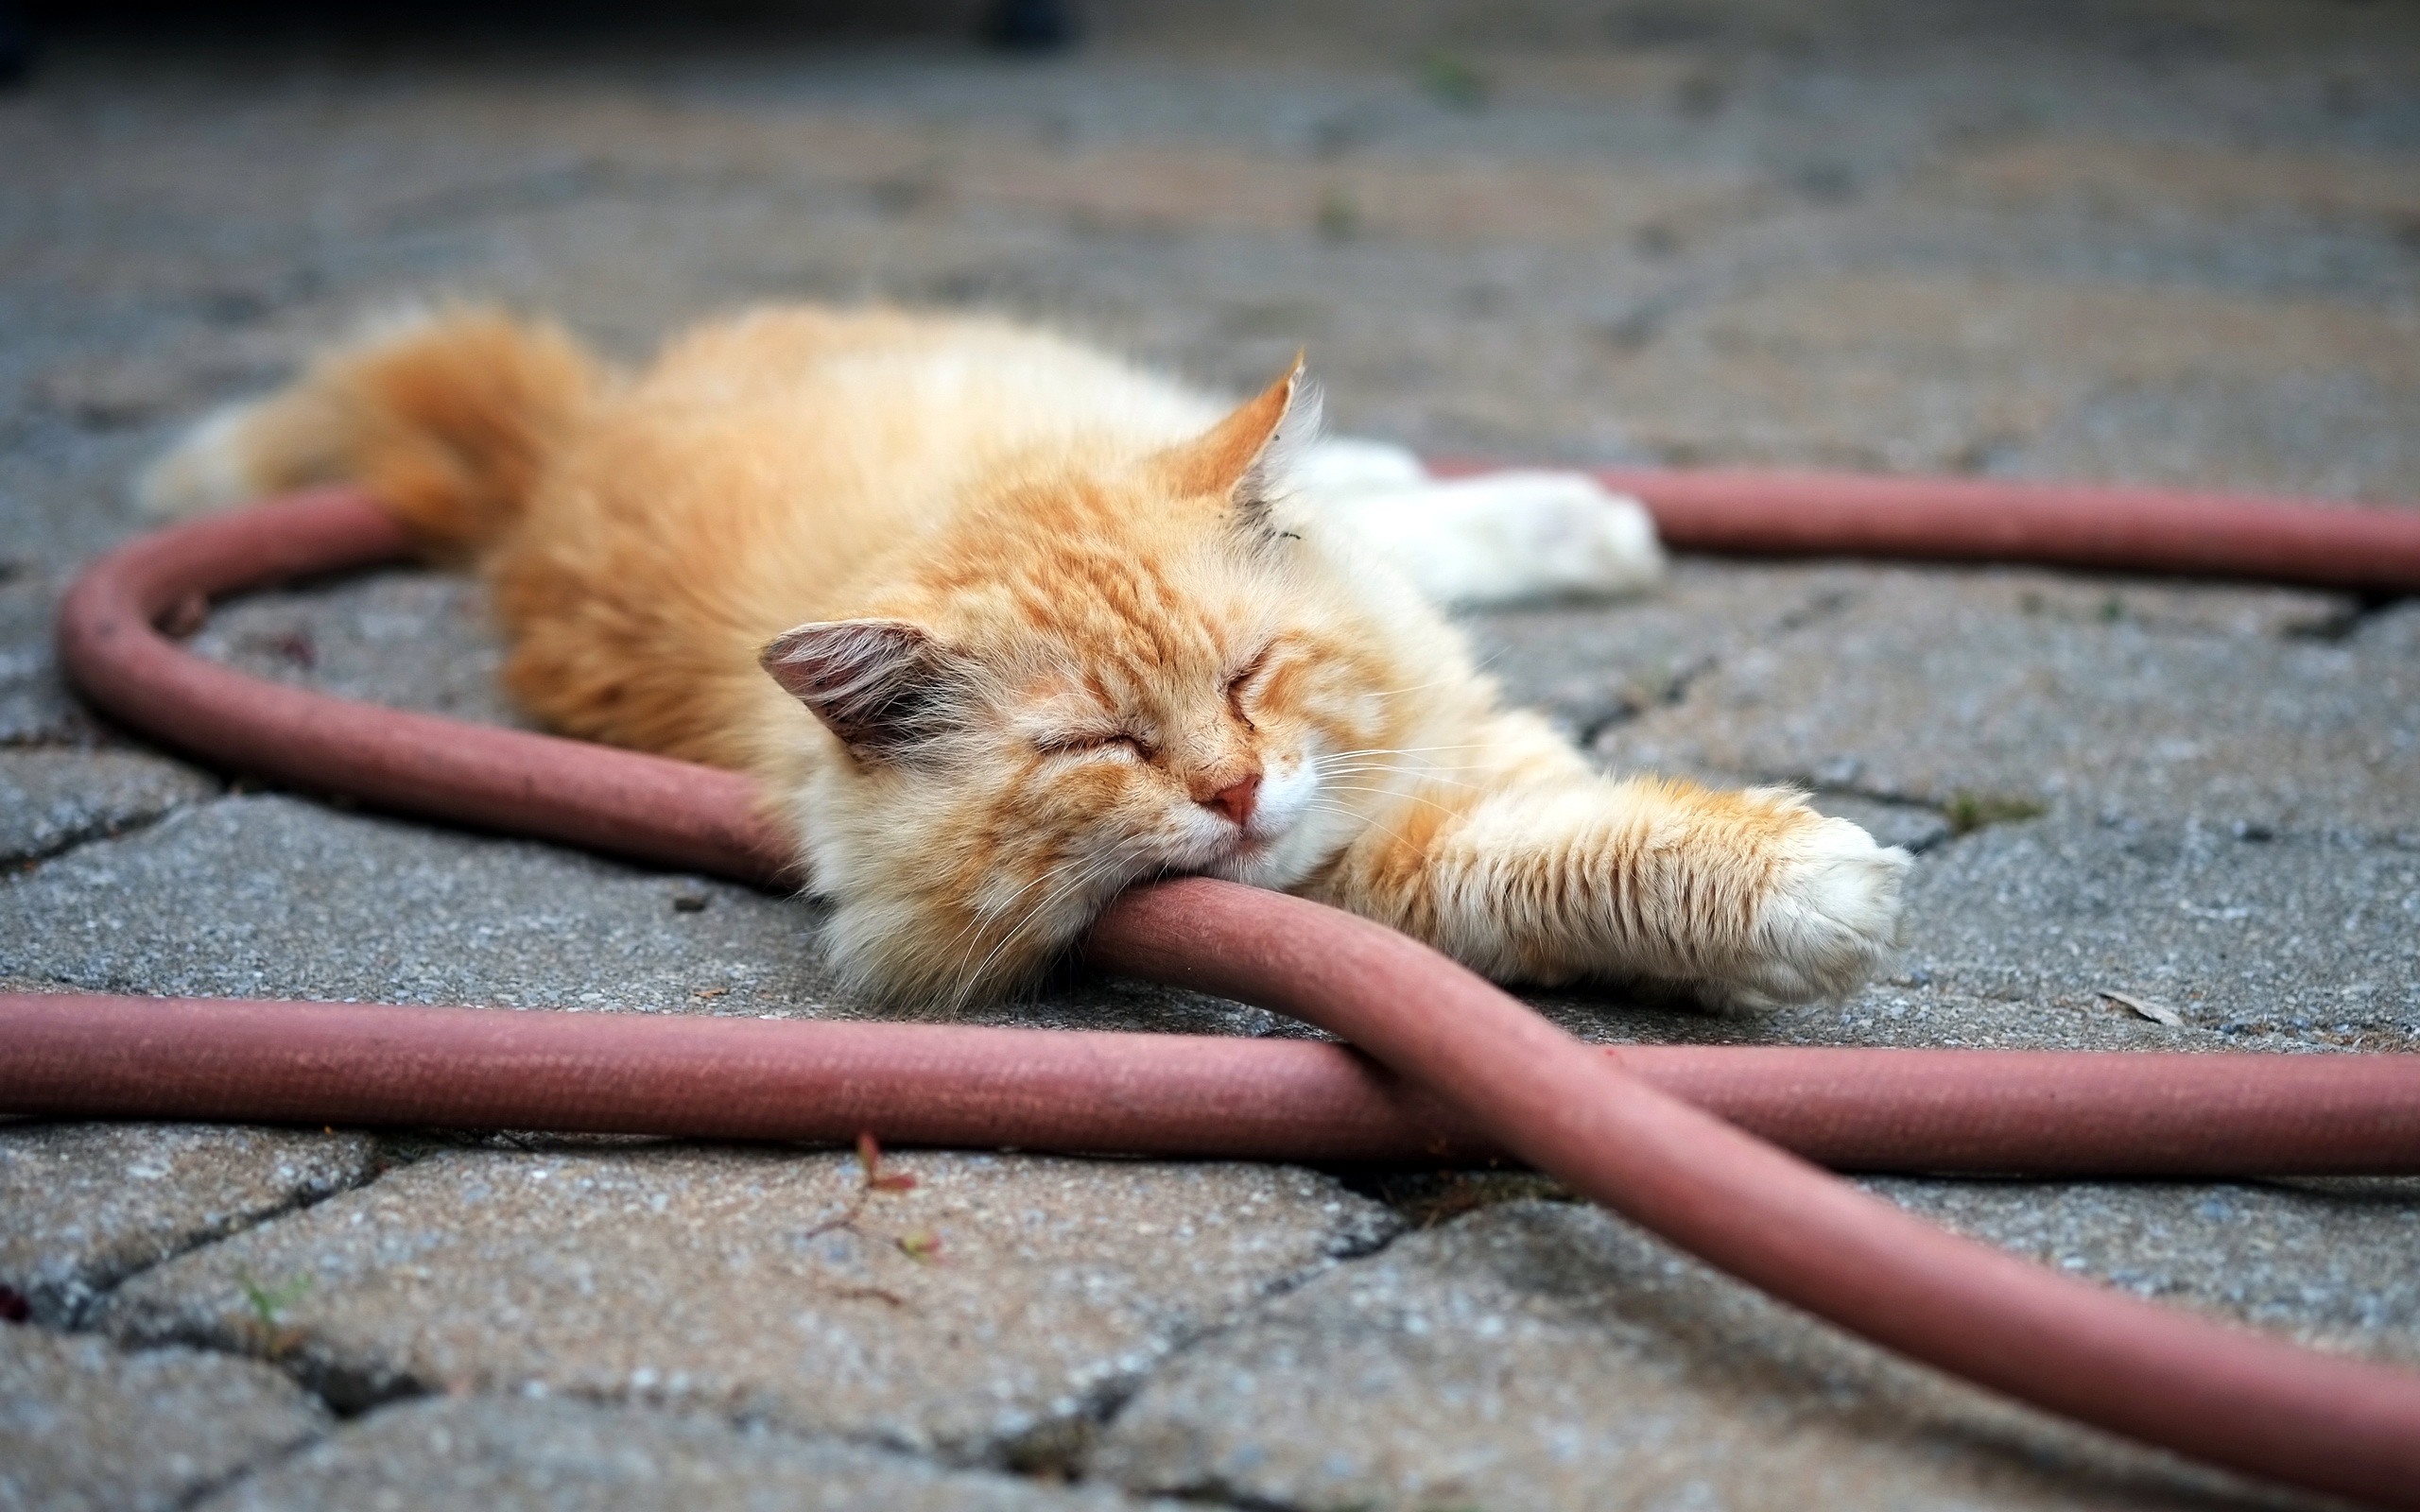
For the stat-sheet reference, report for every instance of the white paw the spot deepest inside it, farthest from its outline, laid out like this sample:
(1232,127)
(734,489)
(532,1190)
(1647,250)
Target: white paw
(1502,538)
(1829,924)
(208,469)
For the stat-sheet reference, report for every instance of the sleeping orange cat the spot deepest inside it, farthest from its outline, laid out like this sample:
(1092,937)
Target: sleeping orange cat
(1002,624)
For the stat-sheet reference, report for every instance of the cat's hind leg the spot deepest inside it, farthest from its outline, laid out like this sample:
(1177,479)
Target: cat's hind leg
(1746,898)
(1491,538)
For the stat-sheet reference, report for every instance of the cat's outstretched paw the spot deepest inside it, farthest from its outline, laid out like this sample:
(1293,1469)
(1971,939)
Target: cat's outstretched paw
(1827,925)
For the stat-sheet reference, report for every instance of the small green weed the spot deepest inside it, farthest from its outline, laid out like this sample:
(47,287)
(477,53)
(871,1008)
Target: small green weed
(269,1305)
(1969,811)
(1451,79)
(919,1245)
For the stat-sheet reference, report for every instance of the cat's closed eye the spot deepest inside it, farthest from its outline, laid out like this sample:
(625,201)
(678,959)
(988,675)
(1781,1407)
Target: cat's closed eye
(1098,743)
(1240,684)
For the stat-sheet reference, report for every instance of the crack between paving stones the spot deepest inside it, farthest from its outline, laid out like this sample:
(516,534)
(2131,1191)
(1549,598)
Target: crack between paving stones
(1052,1449)
(250,1469)
(1830,604)
(1671,696)
(1216,1493)
(65,737)
(2340,628)
(1676,690)
(1100,1407)
(938,1458)
(301,1202)
(350,1394)
(27,862)
(80,1322)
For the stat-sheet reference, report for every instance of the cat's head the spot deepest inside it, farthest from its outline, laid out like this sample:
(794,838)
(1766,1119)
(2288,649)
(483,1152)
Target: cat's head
(1101,670)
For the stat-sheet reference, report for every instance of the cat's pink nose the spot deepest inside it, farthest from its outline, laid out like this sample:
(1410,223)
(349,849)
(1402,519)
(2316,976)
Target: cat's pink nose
(1235,799)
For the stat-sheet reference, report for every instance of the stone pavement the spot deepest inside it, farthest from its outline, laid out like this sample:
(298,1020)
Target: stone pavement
(2142,242)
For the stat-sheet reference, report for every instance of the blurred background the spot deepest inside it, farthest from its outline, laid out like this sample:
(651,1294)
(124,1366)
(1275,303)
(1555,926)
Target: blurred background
(2142,240)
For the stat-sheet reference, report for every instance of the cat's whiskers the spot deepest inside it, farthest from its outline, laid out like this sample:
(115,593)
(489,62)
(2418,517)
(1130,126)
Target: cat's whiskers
(969,981)
(1401,750)
(1389,792)
(1090,873)
(1417,687)
(1409,776)
(1417,774)
(982,916)
(1360,820)
(1359,764)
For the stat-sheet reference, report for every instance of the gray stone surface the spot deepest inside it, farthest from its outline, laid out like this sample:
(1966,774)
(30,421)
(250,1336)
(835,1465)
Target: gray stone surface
(52,798)
(452,1454)
(1599,667)
(411,640)
(84,1428)
(1539,1355)
(83,1206)
(700,1279)
(1594,666)
(1990,690)
(282,897)
(32,701)
(2313,937)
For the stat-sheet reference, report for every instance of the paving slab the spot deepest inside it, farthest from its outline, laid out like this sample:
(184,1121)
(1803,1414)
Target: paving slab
(34,702)
(1592,665)
(998,1295)
(504,1455)
(2252,934)
(1625,677)
(1988,692)
(406,639)
(83,1206)
(52,798)
(86,1428)
(1539,1355)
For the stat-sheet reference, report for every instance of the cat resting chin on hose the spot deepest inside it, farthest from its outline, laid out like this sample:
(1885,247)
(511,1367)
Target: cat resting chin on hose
(1002,624)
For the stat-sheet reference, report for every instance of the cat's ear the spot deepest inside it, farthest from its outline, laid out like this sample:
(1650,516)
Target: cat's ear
(886,687)
(1248,459)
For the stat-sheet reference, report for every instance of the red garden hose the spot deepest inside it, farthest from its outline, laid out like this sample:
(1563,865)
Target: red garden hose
(1478,1069)
(1979,1112)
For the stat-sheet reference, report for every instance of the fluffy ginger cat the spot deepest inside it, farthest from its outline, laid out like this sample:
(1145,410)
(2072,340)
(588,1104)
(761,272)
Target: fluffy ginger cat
(1002,624)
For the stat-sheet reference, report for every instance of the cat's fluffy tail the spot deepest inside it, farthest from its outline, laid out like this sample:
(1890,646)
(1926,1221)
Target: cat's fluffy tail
(446,415)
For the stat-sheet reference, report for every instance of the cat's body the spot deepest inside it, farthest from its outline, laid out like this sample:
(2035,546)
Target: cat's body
(1003,625)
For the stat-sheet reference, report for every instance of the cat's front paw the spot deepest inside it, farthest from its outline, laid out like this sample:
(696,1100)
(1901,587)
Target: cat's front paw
(1829,923)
